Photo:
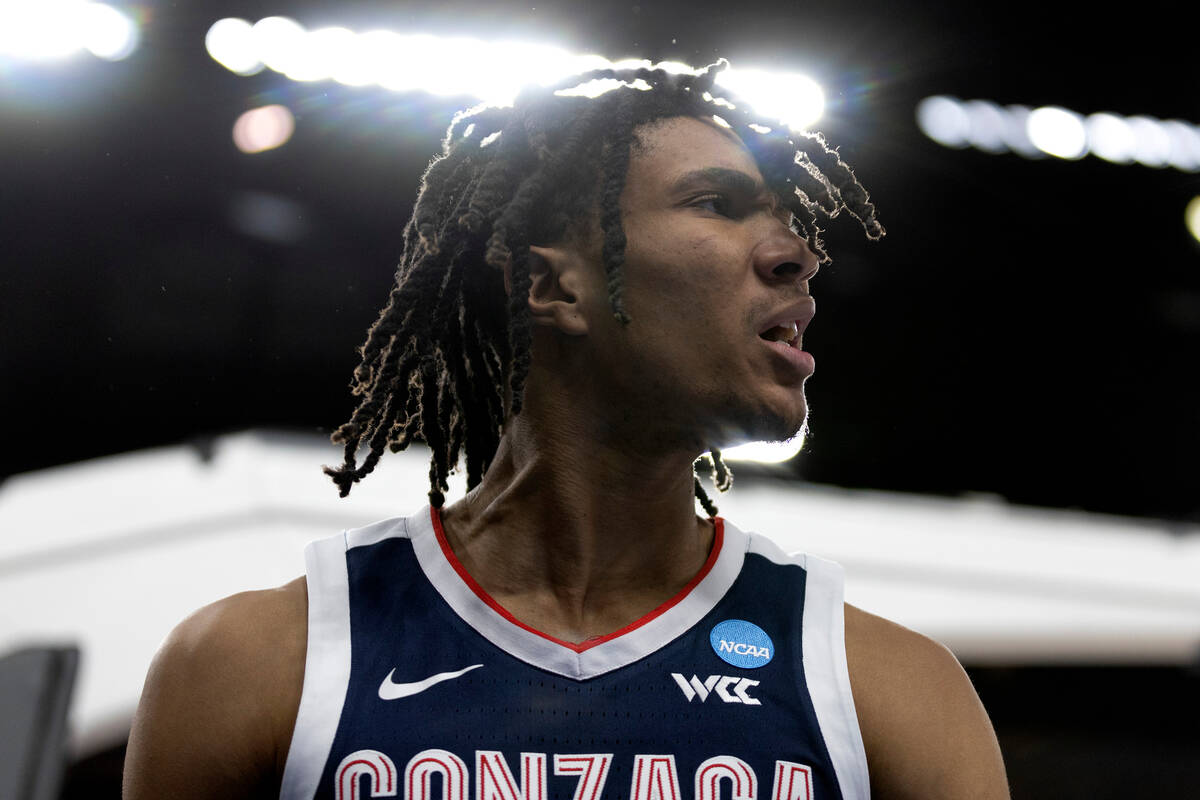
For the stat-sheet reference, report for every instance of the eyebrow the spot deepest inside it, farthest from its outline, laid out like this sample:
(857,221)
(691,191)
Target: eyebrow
(731,180)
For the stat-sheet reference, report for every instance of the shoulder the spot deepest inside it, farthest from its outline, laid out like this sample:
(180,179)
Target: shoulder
(925,731)
(220,699)
(244,627)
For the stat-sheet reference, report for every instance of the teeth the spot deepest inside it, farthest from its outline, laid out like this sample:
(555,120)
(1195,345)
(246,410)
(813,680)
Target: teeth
(782,333)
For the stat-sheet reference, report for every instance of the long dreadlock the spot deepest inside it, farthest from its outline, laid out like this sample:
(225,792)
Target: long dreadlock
(448,357)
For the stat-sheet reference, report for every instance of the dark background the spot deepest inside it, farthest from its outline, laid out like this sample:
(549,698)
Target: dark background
(1027,329)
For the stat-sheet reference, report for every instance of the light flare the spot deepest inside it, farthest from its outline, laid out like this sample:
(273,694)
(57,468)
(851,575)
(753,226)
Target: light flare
(1060,132)
(230,42)
(54,30)
(1191,218)
(491,71)
(1057,132)
(794,99)
(265,128)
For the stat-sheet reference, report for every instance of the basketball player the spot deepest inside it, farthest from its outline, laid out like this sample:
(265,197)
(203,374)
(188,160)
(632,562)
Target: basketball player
(594,292)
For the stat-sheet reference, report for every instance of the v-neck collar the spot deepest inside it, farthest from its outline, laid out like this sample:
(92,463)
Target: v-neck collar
(594,656)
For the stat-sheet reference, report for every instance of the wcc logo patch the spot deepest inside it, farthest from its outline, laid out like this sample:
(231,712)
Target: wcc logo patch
(730,688)
(741,643)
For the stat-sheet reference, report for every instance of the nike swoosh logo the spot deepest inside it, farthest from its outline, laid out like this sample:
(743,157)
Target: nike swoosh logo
(390,690)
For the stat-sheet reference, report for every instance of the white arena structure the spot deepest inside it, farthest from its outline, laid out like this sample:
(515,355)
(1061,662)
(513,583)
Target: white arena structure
(110,554)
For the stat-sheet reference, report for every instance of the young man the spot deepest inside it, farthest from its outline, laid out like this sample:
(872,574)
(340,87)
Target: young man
(593,293)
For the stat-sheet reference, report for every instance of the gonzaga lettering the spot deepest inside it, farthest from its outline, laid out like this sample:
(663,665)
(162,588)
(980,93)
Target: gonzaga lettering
(654,777)
(419,685)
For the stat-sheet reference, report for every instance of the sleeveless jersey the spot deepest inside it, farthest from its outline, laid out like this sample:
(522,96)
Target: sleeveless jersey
(419,685)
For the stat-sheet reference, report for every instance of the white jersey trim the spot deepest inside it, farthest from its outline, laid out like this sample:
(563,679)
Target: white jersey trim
(551,656)
(828,677)
(825,668)
(375,532)
(326,667)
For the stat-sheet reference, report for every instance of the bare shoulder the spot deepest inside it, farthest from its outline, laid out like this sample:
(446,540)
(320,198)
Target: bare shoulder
(926,733)
(220,700)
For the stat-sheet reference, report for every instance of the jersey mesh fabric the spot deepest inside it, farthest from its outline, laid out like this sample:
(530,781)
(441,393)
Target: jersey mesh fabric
(408,619)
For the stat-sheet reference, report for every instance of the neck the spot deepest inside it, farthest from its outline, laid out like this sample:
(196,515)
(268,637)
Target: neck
(577,533)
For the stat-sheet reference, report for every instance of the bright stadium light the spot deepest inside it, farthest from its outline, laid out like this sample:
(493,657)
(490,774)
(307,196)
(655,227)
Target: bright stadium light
(366,62)
(944,120)
(1153,144)
(323,53)
(53,30)
(35,32)
(106,32)
(264,128)
(1191,218)
(515,65)
(1057,131)
(279,43)
(230,42)
(793,99)
(987,125)
(1185,144)
(403,69)
(1110,138)
(491,71)
(448,75)
(1015,131)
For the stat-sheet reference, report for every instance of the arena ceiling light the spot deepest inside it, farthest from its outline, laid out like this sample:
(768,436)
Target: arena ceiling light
(1191,218)
(265,128)
(53,30)
(1060,132)
(492,71)
(1057,131)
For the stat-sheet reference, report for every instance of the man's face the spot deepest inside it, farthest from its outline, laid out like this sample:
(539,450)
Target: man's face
(716,284)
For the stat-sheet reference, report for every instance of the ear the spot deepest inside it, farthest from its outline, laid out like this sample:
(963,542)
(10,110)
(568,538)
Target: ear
(556,280)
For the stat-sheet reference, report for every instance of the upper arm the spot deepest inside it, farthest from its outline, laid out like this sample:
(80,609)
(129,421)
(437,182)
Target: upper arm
(925,731)
(220,700)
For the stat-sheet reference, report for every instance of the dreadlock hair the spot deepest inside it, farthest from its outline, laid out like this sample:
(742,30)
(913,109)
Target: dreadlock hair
(447,359)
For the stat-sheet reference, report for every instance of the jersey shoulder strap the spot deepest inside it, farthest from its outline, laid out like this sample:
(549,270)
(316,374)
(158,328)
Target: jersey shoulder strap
(327,662)
(824,656)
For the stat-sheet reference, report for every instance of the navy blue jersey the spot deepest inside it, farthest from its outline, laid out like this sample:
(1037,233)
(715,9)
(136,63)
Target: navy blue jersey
(419,685)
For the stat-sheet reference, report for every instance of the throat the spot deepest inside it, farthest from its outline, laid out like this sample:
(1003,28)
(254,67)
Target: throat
(581,617)
(572,587)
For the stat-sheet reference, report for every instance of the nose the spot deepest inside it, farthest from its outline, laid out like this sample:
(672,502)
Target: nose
(785,257)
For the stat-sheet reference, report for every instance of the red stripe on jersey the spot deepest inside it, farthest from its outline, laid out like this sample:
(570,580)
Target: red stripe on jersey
(718,538)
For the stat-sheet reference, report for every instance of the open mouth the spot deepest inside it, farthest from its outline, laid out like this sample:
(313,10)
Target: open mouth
(788,333)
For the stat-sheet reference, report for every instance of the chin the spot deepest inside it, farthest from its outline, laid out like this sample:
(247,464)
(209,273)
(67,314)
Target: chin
(762,427)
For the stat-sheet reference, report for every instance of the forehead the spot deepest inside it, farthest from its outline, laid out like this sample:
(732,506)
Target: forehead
(667,150)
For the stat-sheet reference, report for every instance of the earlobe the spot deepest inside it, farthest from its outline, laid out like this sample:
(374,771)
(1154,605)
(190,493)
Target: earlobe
(553,299)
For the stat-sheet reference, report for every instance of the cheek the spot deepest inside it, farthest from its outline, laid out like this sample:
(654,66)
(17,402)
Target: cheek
(685,292)
(683,270)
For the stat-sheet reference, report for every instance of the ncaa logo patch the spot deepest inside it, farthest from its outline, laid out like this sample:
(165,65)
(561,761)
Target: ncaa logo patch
(741,643)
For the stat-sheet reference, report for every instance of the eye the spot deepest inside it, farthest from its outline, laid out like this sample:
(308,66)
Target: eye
(717,203)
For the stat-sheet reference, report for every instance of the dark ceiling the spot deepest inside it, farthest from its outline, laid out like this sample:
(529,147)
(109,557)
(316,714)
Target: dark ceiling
(1028,328)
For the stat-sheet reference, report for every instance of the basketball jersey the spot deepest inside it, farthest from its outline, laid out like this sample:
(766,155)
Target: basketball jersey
(419,685)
